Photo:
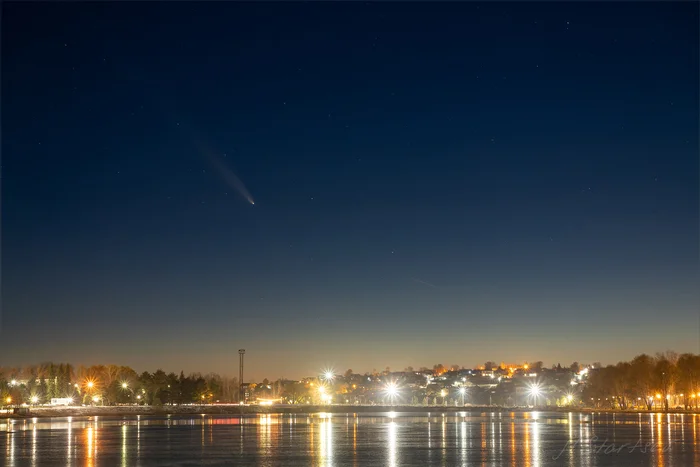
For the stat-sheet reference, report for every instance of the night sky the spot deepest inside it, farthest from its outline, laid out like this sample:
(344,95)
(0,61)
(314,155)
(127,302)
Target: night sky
(433,183)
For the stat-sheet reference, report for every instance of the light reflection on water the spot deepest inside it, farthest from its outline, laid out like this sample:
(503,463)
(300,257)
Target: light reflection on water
(328,440)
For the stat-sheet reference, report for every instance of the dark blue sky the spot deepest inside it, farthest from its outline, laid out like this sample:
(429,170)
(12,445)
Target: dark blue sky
(447,183)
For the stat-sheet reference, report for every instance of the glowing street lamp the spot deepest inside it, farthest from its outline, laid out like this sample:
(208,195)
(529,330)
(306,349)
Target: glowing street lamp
(535,391)
(328,375)
(125,385)
(462,392)
(34,399)
(392,391)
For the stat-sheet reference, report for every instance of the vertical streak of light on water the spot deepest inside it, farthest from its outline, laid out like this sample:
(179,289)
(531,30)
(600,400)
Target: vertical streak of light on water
(512,441)
(322,442)
(329,441)
(124,450)
(444,440)
(482,430)
(659,442)
(669,439)
(585,443)
(88,453)
(138,437)
(526,435)
(69,442)
(570,442)
(683,428)
(463,442)
(500,439)
(354,443)
(96,441)
(12,435)
(34,459)
(392,444)
(240,430)
(536,443)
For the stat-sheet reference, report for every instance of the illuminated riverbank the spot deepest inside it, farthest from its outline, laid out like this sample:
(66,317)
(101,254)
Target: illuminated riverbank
(232,409)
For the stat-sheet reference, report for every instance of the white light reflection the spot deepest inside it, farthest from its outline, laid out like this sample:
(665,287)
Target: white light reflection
(535,443)
(392,444)
(463,442)
(264,435)
(493,440)
(444,437)
(34,459)
(69,442)
(124,450)
(325,446)
(138,436)
(11,439)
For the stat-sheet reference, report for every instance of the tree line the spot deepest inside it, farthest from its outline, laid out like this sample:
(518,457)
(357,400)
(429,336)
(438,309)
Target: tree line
(111,385)
(661,381)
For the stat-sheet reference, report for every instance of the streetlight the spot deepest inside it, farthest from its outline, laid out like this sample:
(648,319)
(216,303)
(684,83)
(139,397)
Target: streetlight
(462,392)
(443,393)
(535,392)
(392,391)
(125,385)
(34,399)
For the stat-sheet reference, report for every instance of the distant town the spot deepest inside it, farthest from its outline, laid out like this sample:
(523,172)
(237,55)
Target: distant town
(665,381)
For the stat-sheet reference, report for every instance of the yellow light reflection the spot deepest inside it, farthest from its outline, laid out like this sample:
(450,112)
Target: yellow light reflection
(659,443)
(354,441)
(512,444)
(89,441)
(527,453)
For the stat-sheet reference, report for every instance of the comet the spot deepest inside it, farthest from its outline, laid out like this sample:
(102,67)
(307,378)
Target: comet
(229,176)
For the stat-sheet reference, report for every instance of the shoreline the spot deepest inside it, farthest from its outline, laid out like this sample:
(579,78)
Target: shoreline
(112,411)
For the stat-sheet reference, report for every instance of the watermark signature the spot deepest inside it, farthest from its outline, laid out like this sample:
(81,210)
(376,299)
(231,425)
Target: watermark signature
(599,446)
